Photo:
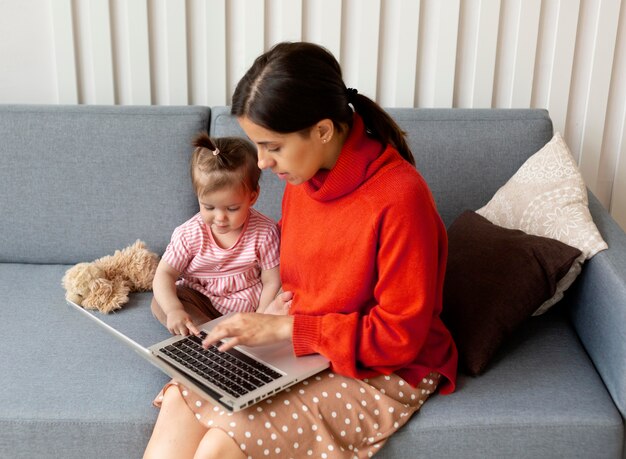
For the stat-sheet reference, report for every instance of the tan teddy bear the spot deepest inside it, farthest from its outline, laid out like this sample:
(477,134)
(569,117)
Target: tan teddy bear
(105,283)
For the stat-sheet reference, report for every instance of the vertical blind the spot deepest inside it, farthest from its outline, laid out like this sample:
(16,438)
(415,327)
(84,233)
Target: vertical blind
(568,56)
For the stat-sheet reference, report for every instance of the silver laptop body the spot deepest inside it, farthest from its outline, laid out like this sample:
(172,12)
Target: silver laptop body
(286,368)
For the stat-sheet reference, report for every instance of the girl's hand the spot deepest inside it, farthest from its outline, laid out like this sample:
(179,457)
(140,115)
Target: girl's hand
(251,329)
(281,304)
(179,323)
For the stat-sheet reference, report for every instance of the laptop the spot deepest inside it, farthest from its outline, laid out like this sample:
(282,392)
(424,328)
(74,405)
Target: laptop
(234,379)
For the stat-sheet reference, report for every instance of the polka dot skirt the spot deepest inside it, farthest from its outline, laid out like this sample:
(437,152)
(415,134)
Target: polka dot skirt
(326,416)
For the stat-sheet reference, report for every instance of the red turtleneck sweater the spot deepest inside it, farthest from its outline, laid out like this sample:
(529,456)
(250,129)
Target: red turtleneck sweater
(364,251)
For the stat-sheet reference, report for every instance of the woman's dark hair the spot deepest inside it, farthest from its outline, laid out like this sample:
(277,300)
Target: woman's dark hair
(293,86)
(223,162)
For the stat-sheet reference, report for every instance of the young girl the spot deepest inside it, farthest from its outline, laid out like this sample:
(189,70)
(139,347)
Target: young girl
(363,252)
(225,258)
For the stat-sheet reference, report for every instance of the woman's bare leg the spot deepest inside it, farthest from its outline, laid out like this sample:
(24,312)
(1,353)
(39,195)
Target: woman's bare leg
(177,433)
(216,444)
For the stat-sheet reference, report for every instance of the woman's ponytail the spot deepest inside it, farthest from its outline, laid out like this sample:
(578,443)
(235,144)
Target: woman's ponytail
(380,124)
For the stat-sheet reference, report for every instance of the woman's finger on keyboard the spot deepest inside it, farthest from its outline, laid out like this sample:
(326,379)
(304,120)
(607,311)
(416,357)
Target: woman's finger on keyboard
(237,328)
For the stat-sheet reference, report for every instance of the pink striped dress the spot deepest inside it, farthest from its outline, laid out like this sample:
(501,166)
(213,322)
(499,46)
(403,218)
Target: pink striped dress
(230,278)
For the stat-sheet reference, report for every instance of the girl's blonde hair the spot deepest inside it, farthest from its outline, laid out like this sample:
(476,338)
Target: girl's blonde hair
(223,162)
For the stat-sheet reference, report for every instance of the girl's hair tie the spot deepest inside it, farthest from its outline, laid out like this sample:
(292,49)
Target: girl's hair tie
(351,92)
(203,140)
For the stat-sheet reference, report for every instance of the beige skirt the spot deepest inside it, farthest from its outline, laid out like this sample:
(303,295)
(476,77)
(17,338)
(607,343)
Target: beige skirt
(327,416)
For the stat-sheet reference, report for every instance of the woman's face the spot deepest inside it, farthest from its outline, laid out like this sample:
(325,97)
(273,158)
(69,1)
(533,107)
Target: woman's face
(293,157)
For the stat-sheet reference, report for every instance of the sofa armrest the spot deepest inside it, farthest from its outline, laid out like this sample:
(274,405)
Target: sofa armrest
(599,306)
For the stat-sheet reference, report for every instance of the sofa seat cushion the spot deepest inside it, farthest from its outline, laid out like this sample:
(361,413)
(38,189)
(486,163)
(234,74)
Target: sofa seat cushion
(541,398)
(69,389)
(72,390)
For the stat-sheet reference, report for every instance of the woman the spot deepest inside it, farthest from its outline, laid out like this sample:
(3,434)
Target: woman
(363,253)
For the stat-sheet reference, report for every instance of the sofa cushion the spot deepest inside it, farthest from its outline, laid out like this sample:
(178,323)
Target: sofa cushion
(72,390)
(542,398)
(547,197)
(598,306)
(465,155)
(486,146)
(495,278)
(80,182)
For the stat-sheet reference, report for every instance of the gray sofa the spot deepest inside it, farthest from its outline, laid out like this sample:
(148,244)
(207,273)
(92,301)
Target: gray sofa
(79,182)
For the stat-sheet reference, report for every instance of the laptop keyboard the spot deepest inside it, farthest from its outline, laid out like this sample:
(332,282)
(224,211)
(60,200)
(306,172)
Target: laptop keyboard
(232,371)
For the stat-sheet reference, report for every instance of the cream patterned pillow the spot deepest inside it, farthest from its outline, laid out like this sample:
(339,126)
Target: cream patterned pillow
(547,197)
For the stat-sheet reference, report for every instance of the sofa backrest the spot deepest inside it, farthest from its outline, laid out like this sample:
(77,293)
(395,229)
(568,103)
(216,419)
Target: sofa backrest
(465,155)
(79,182)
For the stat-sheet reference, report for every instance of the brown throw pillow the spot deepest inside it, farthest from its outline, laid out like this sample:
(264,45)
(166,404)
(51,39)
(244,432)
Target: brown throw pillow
(495,279)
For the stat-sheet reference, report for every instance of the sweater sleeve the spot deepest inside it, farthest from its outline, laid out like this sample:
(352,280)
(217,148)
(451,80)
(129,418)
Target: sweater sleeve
(390,333)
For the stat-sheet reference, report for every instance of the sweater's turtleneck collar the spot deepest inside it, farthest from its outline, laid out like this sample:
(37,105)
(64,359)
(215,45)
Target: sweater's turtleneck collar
(351,169)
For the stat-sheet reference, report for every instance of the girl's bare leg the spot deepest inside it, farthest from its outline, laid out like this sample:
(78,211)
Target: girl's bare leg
(197,306)
(197,316)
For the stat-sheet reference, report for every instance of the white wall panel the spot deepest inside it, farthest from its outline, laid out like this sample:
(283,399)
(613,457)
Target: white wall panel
(612,174)
(516,54)
(596,89)
(555,58)
(360,45)
(131,52)
(207,52)
(398,53)
(283,21)
(618,197)
(168,46)
(64,57)
(568,56)
(246,37)
(94,52)
(322,24)
(28,68)
(439,21)
(476,57)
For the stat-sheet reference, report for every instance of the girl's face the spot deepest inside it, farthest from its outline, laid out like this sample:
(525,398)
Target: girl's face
(293,157)
(225,210)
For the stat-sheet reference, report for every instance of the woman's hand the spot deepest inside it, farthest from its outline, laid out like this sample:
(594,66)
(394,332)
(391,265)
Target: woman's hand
(251,329)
